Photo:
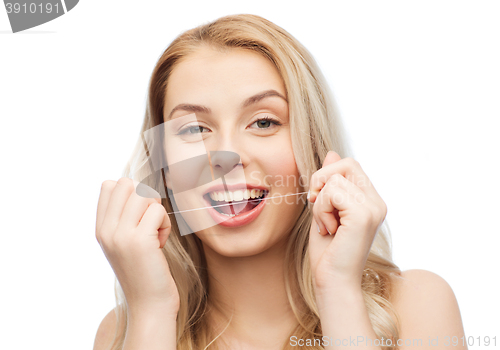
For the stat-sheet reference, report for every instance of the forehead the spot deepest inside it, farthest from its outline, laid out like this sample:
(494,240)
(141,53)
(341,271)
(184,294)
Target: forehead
(212,75)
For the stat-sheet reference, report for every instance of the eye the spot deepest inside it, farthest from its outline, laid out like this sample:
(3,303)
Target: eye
(190,130)
(264,123)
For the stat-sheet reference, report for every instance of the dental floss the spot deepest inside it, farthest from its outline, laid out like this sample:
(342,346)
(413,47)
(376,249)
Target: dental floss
(222,205)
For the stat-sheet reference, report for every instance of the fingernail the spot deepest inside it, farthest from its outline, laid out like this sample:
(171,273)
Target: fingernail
(308,194)
(328,231)
(318,228)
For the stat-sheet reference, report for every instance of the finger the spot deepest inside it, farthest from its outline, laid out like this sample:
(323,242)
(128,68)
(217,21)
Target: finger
(321,228)
(331,157)
(163,235)
(165,229)
(106,190)
(135,208)
(323,213)
(338,194)
(155,222)
(348,168)
(354,194)
(117,201)
(145,191)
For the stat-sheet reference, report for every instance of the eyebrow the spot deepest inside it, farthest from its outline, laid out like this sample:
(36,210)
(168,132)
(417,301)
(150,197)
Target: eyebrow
(249,101)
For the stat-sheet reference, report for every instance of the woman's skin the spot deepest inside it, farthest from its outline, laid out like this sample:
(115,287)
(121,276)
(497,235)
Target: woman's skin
(245,264)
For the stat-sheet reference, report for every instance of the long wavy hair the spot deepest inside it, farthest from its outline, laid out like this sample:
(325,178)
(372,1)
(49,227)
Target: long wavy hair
(316,128)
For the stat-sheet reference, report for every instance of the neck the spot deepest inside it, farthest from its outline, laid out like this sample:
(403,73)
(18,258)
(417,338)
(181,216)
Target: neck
(251,292)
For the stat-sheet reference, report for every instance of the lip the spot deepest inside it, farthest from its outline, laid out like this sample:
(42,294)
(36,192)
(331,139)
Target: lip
(238,220)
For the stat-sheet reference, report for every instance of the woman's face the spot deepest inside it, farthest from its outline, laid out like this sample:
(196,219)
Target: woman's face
(227,89)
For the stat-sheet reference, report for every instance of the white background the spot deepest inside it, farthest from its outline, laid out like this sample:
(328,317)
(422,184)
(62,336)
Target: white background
(417,84)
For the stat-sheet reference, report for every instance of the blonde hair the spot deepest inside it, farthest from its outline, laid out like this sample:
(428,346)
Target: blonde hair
(315,128)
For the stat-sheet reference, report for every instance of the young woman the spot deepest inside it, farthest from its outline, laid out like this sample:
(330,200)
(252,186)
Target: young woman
(314,272)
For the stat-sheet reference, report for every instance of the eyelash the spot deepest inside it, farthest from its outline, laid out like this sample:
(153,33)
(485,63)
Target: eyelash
(266,118)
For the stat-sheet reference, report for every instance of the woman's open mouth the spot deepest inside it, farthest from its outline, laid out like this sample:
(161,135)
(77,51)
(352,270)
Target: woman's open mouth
(235,208)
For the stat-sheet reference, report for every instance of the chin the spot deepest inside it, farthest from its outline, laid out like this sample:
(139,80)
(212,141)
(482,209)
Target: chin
(238,245)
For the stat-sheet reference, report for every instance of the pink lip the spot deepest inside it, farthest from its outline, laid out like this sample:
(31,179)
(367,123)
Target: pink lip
(238,220)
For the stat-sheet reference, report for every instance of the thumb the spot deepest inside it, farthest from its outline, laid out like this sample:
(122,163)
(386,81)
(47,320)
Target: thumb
(331,158)
(164,230)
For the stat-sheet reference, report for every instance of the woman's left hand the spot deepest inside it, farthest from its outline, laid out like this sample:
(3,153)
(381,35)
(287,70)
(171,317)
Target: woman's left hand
(347,205)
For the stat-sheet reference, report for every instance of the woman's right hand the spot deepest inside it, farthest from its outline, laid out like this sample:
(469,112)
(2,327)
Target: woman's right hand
(132,231)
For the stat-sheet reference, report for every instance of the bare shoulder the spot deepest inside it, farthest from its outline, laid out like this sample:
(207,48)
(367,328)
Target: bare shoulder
(417,282)
(105,332)
(427,307)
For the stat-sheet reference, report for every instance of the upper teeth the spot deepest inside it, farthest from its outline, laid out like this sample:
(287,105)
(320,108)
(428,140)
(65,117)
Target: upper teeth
(236,195)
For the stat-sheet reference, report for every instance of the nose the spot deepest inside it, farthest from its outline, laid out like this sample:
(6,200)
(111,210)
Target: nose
(222,162)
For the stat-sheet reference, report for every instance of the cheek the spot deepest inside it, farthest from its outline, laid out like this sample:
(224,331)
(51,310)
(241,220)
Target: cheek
(281,168)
